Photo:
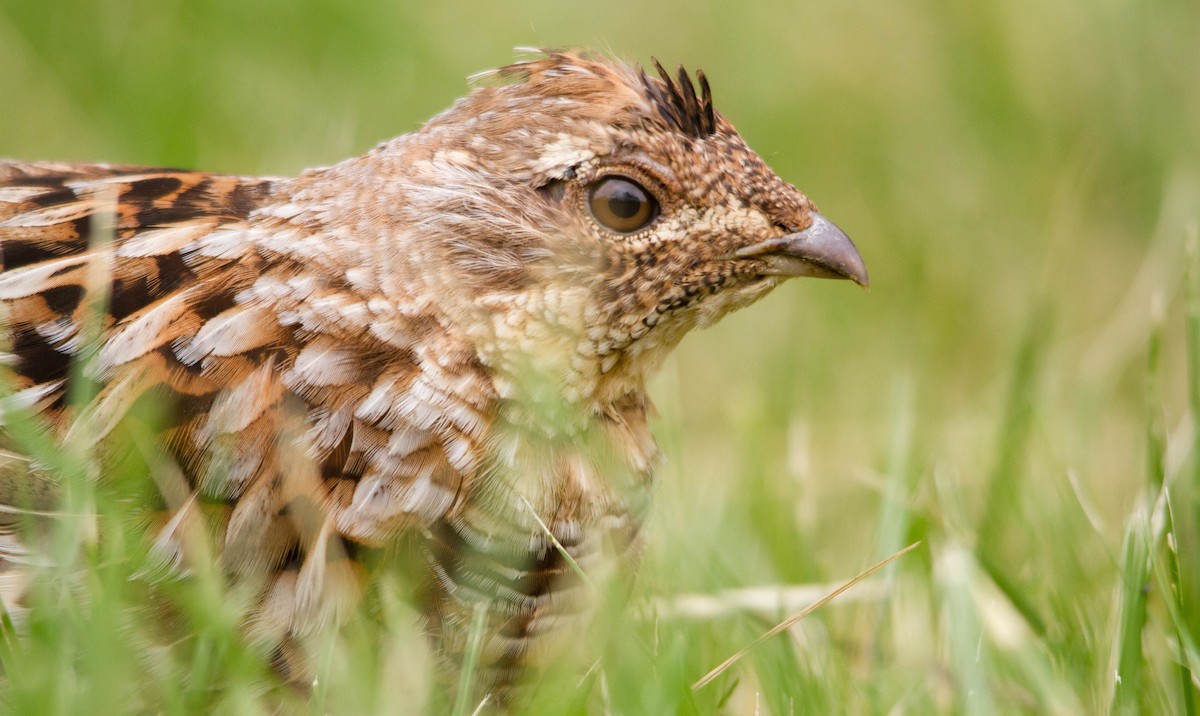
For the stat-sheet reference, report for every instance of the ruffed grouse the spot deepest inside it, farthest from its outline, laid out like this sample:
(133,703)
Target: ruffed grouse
(447,338)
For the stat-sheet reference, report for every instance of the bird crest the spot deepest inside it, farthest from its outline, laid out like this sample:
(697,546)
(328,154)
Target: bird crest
(677,103)
(673,98)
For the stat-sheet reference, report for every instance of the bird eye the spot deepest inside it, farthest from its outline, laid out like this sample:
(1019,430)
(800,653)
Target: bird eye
(621,204)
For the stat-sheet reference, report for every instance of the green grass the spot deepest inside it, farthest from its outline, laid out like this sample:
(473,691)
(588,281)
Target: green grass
(1019,390)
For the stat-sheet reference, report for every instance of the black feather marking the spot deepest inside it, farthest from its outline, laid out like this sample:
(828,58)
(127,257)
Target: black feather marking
(174,213)
(54,197)
(63,299)
(688,95)
(335,463)
(710,115)
(214,304)
(173,272)
(37,360)
(134,294)
(199,200)
(128,297)
(151,189)
(15,253)
(51,182)
(197,194)
(675,100)
(246,197)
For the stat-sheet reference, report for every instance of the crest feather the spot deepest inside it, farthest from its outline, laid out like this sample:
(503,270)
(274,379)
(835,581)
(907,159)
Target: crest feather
(676,101)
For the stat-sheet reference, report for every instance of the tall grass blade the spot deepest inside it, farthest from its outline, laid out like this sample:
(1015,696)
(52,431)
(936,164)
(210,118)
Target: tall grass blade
(795,618)
(1130,660)
(466,679)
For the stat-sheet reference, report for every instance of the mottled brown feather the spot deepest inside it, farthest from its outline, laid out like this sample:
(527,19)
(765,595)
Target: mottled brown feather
(436,340)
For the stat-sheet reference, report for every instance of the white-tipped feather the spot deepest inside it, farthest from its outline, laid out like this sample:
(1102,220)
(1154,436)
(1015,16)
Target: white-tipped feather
(146,331)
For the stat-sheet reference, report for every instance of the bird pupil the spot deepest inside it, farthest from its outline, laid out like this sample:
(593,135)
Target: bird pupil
(625,204)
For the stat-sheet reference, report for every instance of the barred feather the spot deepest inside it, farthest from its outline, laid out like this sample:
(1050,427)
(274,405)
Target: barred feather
(437,340)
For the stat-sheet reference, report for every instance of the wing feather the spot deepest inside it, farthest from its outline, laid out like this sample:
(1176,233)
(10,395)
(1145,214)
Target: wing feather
(300,419)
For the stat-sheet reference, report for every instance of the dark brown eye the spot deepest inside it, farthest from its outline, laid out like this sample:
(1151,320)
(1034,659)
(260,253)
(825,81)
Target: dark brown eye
(621,204)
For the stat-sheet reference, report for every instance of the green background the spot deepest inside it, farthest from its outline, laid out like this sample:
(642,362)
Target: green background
(1023,180)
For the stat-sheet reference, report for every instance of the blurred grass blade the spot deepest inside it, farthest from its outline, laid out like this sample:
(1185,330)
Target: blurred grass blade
(795,618)
(1005,481)
(1170,583)
(1135,560)
(1167,542)
(562,551)
(1179,602)
(466,679)
(1192,295)
(894,509)
(957,577)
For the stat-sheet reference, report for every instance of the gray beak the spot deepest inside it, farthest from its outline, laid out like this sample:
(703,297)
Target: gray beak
(820,251)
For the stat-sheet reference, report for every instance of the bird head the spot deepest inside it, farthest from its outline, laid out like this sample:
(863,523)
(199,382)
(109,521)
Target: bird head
(588,214)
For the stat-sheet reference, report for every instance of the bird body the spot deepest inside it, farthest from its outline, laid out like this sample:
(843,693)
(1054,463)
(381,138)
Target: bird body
(447,338)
